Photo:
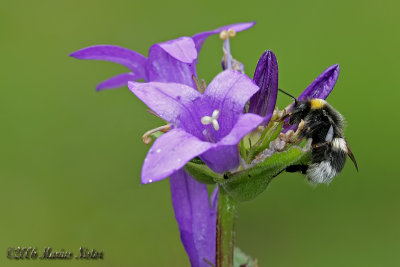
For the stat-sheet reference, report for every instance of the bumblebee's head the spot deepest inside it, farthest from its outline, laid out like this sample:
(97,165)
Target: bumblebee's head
(299,111)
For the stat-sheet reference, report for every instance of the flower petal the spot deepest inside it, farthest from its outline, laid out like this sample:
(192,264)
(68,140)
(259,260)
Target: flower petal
(221,159)
(266,77)
(173,61)
(238,27)
(227,146)
(230,90)
(196,219)
(322,85)
(182,49)
(214,199)
(128,58)
(244,125)
(117,81)
(228,93)
(171,101)
(169,153)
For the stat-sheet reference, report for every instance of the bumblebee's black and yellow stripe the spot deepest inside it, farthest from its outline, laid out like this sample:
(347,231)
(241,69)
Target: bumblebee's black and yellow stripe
(323,124)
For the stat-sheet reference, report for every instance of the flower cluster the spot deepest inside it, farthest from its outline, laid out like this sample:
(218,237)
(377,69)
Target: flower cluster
(208,128)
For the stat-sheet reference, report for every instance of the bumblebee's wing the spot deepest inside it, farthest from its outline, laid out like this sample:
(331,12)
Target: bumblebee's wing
(351,155)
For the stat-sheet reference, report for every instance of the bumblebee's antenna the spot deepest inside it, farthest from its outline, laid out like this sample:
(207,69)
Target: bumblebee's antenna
(295,100)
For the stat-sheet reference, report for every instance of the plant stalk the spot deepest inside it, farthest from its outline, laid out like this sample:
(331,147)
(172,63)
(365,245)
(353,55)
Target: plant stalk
(225,229)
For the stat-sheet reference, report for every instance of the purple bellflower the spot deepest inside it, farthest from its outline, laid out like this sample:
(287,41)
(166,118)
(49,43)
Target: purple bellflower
(208,125)
(173,61)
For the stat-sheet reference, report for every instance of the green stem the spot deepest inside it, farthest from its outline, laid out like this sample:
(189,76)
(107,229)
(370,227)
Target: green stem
(225,229)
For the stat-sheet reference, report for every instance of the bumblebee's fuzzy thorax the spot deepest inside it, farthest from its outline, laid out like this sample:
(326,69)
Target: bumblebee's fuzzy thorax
(324,125)
(317,103)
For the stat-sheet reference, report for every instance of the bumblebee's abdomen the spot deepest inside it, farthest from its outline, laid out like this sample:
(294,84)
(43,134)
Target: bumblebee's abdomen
(327,161)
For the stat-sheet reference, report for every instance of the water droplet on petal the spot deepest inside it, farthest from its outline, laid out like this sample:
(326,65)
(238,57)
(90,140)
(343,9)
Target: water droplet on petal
(178,159)
(158,150)
(150,181)
(204,132)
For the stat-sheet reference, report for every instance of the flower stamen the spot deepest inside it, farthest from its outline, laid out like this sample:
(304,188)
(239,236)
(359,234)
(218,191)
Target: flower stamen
(231,33)
(146,138)
(200,85)
(211,120)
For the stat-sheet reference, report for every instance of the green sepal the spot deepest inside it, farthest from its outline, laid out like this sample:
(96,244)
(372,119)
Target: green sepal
(269,134)
(202,173)
(241,259)
(247,184)
(242,149)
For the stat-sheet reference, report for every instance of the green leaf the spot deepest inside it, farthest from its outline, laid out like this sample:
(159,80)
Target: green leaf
(242,260)
(202,173)
(247,184)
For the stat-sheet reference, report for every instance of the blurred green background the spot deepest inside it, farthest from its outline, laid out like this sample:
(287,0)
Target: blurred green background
(70,158)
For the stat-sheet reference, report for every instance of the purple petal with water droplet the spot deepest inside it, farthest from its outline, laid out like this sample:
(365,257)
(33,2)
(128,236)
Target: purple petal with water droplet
(196,219)
(169,153)
(173,102)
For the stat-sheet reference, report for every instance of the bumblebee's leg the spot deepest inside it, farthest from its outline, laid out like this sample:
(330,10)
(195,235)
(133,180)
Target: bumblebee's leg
(297,168)
(280,115)
(293,137)
(294,168)
(300,128)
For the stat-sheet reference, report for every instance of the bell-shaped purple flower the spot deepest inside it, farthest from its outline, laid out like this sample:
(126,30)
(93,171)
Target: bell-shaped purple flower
(266,77)
(171,61)
(209,125)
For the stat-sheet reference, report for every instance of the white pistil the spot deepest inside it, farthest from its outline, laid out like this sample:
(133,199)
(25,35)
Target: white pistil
(225,35)
(211,120)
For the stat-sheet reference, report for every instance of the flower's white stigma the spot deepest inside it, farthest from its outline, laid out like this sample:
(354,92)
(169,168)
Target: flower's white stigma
(211,120)
(215,124)
(215,114)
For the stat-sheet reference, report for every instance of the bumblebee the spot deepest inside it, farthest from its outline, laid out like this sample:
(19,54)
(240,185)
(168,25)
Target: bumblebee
(324,125)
